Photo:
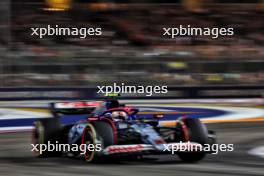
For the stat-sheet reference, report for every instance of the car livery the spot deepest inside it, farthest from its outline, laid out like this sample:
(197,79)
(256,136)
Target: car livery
(119,131)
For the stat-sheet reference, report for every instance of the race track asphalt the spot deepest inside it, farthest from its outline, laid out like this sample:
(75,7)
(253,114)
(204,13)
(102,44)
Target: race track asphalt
(16,159)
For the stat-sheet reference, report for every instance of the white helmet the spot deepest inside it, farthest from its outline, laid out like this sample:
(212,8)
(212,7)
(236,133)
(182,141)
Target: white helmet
(119,115)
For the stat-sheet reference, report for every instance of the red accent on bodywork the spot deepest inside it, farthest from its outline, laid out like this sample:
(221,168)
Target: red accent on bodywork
(95,103)
(185,129)
(86,155)
(124,149)
(126,109)
(92,118)
(159,141)
(81,104)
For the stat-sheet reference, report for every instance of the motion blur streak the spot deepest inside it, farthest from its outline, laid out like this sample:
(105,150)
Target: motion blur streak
(132,50)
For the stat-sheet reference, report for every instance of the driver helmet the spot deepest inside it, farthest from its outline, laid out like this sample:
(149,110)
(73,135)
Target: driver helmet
(119,116)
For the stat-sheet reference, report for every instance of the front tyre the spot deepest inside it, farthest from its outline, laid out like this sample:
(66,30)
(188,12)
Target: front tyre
(197,133)
(92,134)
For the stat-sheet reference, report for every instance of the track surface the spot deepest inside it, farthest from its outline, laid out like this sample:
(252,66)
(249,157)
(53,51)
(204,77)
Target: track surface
(17,160)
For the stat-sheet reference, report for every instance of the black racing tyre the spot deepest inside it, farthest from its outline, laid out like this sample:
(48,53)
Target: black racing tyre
(97,131)
(197,133)
(47,131)
(106,133)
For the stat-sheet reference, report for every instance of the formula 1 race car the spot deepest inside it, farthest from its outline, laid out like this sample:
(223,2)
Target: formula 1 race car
(117,130)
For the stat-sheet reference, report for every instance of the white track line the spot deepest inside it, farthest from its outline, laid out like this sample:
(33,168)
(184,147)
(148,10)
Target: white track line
(6,113)
(15,129)
(258,151)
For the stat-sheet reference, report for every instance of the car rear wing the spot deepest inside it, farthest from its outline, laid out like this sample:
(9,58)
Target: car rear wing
(73,107)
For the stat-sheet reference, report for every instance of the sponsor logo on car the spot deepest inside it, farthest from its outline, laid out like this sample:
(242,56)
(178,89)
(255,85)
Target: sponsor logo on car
(124,149)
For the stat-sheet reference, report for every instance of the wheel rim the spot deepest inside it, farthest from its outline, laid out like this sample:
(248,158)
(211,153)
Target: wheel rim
(89,137)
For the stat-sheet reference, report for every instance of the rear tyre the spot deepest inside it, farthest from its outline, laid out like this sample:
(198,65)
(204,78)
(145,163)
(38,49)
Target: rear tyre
(197,133)
(97,131)
(47,131)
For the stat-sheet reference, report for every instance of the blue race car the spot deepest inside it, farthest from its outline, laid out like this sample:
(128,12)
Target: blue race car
(112,129)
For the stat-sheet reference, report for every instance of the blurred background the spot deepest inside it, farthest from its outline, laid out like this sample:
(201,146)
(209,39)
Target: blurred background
(133,51)
(132,48)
